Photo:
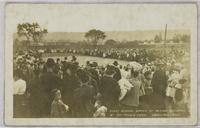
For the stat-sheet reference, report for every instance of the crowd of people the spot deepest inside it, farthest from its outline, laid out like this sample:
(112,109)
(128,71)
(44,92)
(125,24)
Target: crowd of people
(127,54)
(59,88)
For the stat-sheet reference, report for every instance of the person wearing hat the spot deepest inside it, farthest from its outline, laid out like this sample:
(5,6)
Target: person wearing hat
(117,76)
(65,59)
(74,59)
(159,85)
(109,89)
(58,108)
(49,81)
(70,83)
(58,67)
(94,75)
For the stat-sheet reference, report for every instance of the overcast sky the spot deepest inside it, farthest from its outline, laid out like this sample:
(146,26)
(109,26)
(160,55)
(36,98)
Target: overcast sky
(106,17)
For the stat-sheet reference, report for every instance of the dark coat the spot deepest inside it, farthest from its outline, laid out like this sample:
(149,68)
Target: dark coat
(93,82)
(159,82)
(83,97)
(49,81)
(70,83)
(159,85)
(117,76)
(110,91)
(94,74)
(36,95)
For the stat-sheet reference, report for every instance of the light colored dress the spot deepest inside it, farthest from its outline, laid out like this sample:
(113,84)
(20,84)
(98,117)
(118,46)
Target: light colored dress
(19,102)
(125,86)
(19,87)
(132,97)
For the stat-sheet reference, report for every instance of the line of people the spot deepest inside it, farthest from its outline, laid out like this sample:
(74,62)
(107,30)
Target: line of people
(141,55)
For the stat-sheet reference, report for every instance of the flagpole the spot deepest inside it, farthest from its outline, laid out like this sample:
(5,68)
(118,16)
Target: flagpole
(165,34)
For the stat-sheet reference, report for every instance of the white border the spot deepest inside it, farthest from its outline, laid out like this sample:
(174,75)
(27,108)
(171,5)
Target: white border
(95,121)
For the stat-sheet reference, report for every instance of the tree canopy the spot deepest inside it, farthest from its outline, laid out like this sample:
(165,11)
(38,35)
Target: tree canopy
(110,42)
(32,31)
(94,36)
(185,38)
(176,38)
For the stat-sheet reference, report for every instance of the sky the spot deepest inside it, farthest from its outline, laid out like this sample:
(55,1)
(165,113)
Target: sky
(106,17)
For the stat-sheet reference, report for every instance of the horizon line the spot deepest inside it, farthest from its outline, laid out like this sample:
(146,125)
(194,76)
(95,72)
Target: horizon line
(121,30)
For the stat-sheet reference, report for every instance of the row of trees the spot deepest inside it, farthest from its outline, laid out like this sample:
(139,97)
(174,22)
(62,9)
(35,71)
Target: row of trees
(177,38)
(181,38)
(34,32)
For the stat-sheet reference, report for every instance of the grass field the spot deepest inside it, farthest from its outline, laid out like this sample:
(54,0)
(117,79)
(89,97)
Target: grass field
(83,59)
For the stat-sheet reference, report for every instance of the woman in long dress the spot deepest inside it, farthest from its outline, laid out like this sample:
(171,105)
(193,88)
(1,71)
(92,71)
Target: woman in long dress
(132,97)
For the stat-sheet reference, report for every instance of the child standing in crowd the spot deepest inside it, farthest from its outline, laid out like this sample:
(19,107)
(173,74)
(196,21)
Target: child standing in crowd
(58,108)
(101,110)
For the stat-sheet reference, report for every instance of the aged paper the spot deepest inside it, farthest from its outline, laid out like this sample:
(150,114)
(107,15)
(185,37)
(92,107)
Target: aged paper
(100,64)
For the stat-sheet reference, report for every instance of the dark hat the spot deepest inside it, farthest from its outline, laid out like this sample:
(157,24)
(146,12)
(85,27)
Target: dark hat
(87,63)
(74,58)
(115,63)
(58,59)
(94,64)
(50,62)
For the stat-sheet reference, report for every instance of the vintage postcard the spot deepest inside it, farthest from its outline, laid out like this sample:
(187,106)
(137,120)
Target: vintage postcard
(100,64)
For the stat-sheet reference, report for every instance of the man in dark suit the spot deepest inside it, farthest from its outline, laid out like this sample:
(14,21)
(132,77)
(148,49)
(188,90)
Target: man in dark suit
(94,75)
(159,85)
(117,76)
(109,89)
(70,83)
(49,81)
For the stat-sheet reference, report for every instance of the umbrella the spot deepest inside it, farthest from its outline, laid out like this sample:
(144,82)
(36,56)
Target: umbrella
(135,65)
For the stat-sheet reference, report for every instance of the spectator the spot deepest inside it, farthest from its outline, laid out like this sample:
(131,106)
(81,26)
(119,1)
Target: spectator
(58,108)
(49,81)
(83,97)
(110,89)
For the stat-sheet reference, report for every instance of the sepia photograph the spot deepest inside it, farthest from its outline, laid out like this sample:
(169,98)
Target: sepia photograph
(100,61)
